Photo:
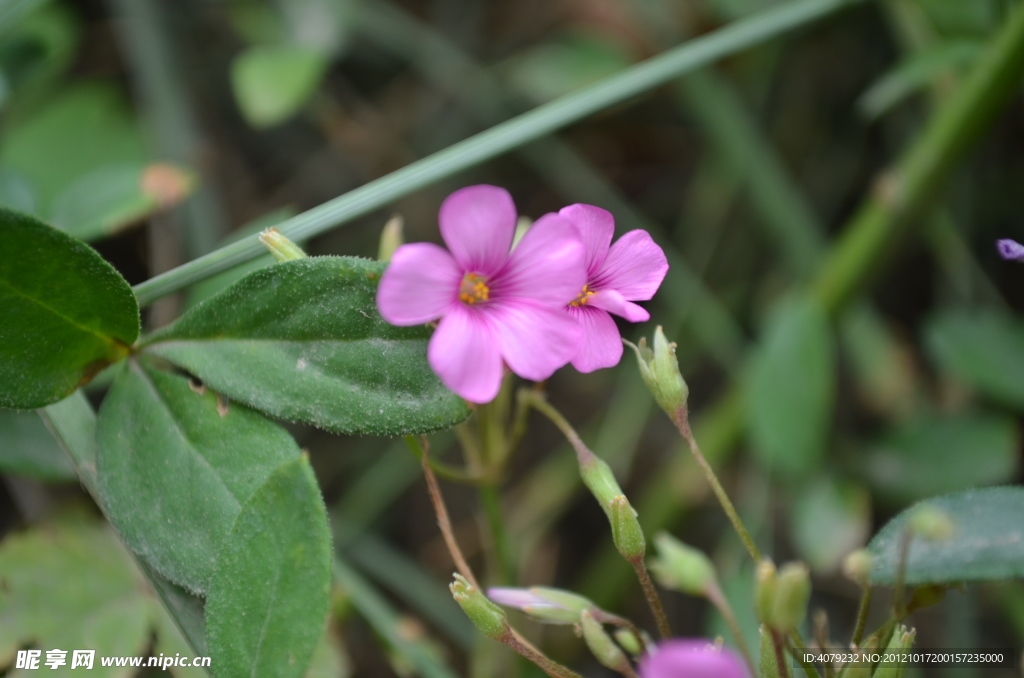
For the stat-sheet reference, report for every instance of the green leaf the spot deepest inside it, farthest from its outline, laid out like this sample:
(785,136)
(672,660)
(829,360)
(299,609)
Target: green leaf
(985,349)
(987,541)
(270,593)
(829,519)
(939,454)
(917,72)
(28,449)
(70,585)
(174,472)
(303,341)
(85,127)
(791,390)
(109,199)
(557,68)
(67,313)
(271,83)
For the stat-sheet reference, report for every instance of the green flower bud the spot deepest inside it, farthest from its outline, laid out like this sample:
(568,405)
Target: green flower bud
(931,523)
(598,477)
(660,371)
(626,532)
(857,566)
(681,567)
(792,592)
(487,617)
(764,591)
(601,644)
(629,641)
(902,640)
(281,247)
(391,238)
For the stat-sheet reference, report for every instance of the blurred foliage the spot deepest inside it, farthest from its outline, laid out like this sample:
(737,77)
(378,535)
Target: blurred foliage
(744,172)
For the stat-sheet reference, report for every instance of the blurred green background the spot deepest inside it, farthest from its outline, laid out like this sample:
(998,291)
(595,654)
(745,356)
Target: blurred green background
(158,130)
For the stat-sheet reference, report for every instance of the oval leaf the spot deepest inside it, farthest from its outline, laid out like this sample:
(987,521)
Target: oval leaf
(67,313)
(985,349)
(934,455)
(271,83)
(269,597)
(303,341)
(174,471)
(987,541)
(791,390)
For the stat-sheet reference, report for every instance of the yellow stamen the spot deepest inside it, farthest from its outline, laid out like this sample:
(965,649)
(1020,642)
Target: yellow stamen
(581,300)
(474,289)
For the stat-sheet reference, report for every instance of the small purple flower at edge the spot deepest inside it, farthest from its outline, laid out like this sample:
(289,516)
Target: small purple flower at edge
(1010,249)
(617,275)
(691,658)
(494,305)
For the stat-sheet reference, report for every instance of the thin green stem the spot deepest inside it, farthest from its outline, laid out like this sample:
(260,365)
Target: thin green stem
(490,500)
(513,640)
(653,599)
(797,651)
(446,471)
(717,598)
(862,615)
(502,138)
(682,422)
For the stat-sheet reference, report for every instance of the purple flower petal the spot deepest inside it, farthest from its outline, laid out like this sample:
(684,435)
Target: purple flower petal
(464,352)
(610,300)
(635,266)
(601,345)
(478,224)
(518,598)
(535,341)
(596,227)
(419,285)
(1010,249)
(696,658)
(546,266)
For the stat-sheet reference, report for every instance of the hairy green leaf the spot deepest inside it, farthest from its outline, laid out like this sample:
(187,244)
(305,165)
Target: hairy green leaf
(987,540)
(67,313)
(303,341)
(270,593)
(176,466)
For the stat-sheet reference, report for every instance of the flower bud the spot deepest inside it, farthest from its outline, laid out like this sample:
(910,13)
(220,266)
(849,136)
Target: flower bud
(598,477)
(281,247)
(487,617)
(626,531)
(902,640)
(391,238)
(629,641)
(660,371)
(931,523)
(601,644)
(764,591)
(792,592)
(857,566)
(681,567)
(549,605)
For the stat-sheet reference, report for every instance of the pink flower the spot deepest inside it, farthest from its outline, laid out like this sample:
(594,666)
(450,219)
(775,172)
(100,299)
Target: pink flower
(494,305)
(630,270)
(691,658)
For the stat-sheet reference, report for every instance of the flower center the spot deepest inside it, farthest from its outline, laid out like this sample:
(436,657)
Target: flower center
(581,300)
(474,289)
